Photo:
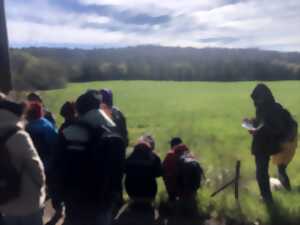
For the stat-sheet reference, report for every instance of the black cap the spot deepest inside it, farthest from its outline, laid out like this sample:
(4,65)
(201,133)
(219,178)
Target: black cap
(88,101)
(175,141)
(35,97)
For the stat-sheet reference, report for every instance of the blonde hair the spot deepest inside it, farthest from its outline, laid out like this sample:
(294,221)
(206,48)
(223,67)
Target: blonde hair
(148,138)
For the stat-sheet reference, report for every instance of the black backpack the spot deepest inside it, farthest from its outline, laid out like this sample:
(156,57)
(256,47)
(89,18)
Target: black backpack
(189,172)
(86,167)
(290,131)
(10,178)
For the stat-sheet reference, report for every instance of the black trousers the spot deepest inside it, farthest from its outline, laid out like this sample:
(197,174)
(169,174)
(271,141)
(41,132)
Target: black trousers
(262,176)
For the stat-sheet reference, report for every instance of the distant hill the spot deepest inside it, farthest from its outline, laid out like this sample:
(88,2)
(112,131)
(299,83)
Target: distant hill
(47,68)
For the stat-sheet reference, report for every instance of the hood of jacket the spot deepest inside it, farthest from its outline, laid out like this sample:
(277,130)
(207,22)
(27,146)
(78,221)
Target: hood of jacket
(262,94)
(9,120)
(98,118)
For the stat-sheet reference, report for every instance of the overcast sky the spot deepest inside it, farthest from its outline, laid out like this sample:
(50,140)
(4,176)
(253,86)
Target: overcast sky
(265,24)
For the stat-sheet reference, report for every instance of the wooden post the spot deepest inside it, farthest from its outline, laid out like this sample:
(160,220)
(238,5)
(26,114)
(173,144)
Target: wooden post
(223,188)
(5,75)
(234,181)
(237,180)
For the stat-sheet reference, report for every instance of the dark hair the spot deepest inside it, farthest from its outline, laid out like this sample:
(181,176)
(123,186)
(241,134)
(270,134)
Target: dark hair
(35,97)
(107,96)
(68,110)
(175,141)
(88,101)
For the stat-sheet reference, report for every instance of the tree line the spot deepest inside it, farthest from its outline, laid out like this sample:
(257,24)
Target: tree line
(50,68)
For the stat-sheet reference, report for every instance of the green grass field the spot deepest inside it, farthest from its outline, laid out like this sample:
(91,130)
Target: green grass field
(208,117)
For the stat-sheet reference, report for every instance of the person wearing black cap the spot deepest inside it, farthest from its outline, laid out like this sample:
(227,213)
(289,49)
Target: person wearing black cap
(20,163)
(170,166)
(274,126)
(175,141)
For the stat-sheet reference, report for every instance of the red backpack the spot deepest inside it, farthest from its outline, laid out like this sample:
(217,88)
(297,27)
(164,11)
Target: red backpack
(10,178)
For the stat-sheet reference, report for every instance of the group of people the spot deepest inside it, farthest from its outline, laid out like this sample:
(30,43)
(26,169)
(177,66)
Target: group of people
(81,165)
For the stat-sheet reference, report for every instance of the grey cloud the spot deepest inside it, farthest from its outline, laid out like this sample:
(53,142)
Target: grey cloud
(122,15)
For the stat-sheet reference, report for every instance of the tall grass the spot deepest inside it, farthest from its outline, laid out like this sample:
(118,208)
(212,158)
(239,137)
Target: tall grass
(208,117)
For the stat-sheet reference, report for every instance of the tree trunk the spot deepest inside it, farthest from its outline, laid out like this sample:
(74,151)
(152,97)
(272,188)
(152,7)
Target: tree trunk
(5,75)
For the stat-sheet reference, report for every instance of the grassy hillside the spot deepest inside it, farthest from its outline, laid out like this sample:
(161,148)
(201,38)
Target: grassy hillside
(208,117)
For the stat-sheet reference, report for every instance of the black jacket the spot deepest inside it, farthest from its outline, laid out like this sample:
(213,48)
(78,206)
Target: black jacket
(120,120)
(142,168)
(278,124)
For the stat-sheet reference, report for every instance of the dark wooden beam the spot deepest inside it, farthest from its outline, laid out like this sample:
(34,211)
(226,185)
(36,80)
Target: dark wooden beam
(5,75)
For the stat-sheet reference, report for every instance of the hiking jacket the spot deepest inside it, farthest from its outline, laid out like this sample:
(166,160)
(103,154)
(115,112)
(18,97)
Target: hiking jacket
(94,118)
(26,160)
(170,168)
(113,164)
(118,119)
(142,168)
(277,123)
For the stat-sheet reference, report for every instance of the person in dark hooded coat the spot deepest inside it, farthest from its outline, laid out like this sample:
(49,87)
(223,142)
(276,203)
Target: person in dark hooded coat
(274,126)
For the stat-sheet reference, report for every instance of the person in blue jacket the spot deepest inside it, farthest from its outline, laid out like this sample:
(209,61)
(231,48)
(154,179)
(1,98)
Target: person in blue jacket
(42,132)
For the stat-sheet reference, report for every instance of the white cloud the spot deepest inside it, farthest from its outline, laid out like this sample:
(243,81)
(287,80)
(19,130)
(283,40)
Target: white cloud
(271,24)
(34,33)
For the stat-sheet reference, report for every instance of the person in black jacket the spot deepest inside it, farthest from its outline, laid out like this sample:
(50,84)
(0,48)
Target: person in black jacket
(120,128)
(114,113)
(274,126)
(142,168)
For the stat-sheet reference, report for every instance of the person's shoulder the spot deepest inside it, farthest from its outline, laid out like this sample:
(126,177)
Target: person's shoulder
(20,140)
(21,133)
(46,123)
(156,156)
(117,110)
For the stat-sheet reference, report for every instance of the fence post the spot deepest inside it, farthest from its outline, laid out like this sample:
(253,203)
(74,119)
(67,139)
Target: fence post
(237,180)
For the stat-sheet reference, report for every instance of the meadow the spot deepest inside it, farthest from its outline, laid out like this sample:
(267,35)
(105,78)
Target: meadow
(208,117)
